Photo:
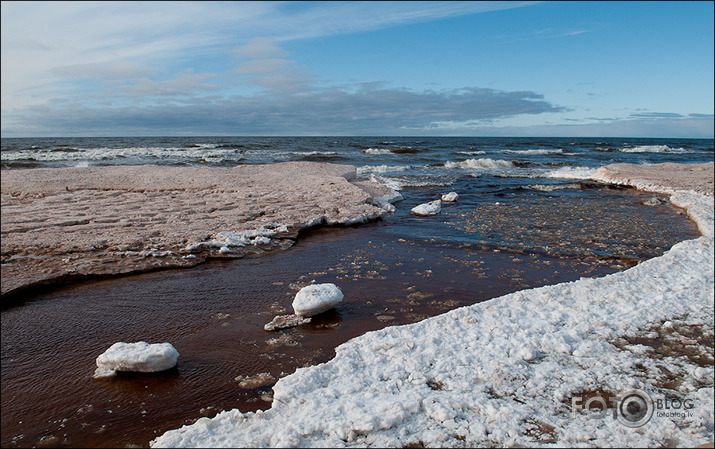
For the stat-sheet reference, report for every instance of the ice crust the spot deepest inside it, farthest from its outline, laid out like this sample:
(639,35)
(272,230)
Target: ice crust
(491,373)
(137,357)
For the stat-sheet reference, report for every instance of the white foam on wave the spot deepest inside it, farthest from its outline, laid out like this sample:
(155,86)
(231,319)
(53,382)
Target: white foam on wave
(536,151)
(206,153)
(377,151)
(366,170)
(480,164)
(472,153)
(584,173)
(655,149)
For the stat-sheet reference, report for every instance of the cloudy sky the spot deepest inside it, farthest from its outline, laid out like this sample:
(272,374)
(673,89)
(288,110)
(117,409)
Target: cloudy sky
(638,69)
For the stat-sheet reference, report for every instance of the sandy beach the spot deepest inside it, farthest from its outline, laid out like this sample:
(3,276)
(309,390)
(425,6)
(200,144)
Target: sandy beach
(71,223)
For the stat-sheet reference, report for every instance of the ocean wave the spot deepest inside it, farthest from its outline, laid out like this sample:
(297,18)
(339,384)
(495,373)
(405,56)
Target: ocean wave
(536,151)
(376,151)
(472,152)
(654,149)
(569,173)
(481,163)
(104,154)
(400,182)
(366,170)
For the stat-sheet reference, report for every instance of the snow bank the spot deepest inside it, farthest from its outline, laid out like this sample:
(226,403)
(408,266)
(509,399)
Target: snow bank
(314,299)
(504,372)
(140,357)
(431,208)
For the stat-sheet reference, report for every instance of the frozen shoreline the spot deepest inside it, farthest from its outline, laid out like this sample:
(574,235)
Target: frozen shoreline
(508,370)
(64,223)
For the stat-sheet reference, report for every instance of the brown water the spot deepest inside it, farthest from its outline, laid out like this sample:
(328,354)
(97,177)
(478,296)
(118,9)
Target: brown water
(214,315)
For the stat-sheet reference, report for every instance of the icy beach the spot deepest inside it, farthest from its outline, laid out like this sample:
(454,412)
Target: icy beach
(80,222)
(514,370)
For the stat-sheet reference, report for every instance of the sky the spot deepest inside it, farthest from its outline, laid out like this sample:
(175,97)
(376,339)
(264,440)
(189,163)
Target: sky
(577,69)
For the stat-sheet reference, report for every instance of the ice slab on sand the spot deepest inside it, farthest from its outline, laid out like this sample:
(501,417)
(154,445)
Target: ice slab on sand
(315,299)
(499,373)
(140,357)
(431,208)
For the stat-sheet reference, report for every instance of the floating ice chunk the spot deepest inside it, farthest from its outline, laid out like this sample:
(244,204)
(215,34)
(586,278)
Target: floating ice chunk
(315,299)
(285,321)
(450,197)
(431,208)
(141,357)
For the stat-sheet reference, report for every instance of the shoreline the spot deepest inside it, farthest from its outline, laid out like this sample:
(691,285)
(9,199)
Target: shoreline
(65,224)
(511,367)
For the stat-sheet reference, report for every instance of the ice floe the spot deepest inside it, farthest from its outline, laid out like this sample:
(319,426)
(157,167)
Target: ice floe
(431,208)
(286,321)
(317,298)
(450,197)
(136,357)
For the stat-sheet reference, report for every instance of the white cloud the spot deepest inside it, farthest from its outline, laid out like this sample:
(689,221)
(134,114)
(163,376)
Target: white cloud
(43,43)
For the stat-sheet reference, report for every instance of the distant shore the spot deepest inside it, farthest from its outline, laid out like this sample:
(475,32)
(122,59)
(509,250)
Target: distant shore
(71,223)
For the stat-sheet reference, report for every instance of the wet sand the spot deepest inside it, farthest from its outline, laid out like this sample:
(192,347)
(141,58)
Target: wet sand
(668,176)
(70,223)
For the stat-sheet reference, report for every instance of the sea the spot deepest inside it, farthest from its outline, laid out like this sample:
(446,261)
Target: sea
(527,215)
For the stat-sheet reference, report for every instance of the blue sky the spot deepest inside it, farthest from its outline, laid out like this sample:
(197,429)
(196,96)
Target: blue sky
(629,69)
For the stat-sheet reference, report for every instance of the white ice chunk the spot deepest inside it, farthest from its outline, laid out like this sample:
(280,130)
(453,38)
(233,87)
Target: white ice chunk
(285,321)
(315,299)
(450,197)
(140,356)
(431,208)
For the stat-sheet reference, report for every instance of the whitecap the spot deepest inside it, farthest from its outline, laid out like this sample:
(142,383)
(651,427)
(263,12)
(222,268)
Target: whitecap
(536,151)
(569,173)
(365,170)
(377,151)
(654,149)
(481,163)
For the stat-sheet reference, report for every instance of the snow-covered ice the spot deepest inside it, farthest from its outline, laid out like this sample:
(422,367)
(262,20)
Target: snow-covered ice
(450,197)
(285,321)
(139,357)
(431,208)
(317,298)
(505,372)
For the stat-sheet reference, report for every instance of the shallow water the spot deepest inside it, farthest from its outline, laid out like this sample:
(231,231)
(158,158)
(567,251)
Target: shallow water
(396,271)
